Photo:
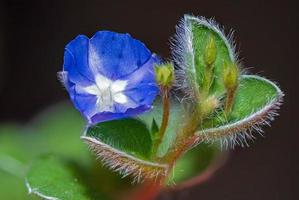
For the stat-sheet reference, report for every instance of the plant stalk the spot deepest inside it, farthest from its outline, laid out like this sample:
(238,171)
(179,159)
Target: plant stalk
(185,139)
(165,116)
(229,101)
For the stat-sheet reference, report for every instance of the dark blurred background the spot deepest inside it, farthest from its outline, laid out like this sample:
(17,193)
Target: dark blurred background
(32,39)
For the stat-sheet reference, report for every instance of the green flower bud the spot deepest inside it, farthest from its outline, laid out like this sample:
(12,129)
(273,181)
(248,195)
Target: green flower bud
(209,105)
(164,74)
(230,76)
(210,51)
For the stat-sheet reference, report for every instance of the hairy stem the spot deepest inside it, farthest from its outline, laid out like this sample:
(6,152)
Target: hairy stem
(182,148)
(185,138)
(229,101)
(207,80)
(165,117)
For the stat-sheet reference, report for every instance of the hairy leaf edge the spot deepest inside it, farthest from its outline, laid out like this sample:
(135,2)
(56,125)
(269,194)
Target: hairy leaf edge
(239,132)
(182,42)
(213,25)
(124,163)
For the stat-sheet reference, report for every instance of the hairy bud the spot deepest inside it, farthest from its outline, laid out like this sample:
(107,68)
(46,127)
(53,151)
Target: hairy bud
(164,74)
(210,51)
(230,76)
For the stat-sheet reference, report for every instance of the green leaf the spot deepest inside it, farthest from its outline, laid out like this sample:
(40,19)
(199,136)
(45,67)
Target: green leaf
(46,133)
(52,178)
(124,145)
(255,104)
(253,95)
(127,135)
(195,162)
(192,36)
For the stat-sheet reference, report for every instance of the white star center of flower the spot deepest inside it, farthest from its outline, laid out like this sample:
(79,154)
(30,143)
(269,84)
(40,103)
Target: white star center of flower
(108,92)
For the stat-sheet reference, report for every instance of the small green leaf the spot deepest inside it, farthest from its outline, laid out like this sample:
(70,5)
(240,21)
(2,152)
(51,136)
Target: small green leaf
(52,178)
(253,95)
(255,104)
(154,130)
(124,145)
(192,37)
(46,133)
(194,163)
(127,135)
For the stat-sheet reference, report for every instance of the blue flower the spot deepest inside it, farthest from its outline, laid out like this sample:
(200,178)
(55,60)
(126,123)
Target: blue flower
(109,76)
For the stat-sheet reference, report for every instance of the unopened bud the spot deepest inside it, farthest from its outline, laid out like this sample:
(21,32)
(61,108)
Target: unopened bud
(209,105)
(210,51)
(230,76)
(164,74)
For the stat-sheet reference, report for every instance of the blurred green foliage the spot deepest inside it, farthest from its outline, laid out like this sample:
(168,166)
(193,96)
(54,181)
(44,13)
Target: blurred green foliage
(55,132)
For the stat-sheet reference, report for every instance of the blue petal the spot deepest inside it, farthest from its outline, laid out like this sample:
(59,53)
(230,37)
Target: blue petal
(142,86)
(116,55)
(76,61)
(107,116)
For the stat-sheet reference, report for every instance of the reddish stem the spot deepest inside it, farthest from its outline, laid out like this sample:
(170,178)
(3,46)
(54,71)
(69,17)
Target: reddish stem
(165,117)
(229,100)
(149,190)
(185,139)
(187,144)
